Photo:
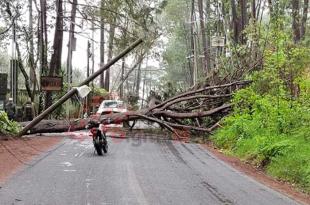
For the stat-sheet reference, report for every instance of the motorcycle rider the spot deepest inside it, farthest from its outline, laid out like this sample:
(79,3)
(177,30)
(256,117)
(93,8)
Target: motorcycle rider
(101,135)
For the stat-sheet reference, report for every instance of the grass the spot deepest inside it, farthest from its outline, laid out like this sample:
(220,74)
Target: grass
(270,133)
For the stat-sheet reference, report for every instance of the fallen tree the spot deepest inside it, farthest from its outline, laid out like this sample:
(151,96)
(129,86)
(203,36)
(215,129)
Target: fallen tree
(197,110)
(185,111)
(54,126)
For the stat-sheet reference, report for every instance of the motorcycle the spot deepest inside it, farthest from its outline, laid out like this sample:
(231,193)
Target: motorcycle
(99,138)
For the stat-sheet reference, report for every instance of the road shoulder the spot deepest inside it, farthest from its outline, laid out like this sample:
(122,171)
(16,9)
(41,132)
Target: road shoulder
(258,175)
(18,153)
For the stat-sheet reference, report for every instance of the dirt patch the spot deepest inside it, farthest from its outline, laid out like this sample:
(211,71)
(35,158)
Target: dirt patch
(259,175)
(16,153)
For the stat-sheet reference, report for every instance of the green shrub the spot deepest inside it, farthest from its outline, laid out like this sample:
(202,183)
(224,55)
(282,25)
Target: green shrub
(7,126)
(272,133)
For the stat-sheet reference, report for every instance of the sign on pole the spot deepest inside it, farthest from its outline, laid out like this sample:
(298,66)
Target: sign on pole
(51,83)
(217,41)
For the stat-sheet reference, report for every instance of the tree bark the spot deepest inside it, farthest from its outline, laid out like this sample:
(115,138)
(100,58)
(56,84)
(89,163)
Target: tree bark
(110,54)
(208,34)
(121,87)
(71,42)
(304,19)
(55,64)
(192,56)
(295,22)
(32,73)
(244,20)
(235,21)
(138,80)
(206,61)
(253,9)
(270,5)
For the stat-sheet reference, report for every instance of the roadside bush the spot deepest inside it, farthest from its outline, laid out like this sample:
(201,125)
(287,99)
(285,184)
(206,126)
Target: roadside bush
(270,123)
(271,133)
(7,126)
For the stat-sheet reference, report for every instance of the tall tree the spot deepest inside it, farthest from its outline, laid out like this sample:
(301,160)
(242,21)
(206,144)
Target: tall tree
(235,21)
(304,19)
(138,80)
(110,53)
(31,62)
(295,20)
(206,60)
(244,19)
(55,64)
(71,41)
(101,82)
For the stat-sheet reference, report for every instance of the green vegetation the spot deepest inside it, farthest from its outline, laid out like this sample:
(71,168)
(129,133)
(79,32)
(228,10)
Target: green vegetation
(270,123)
(8,127)
(100,91)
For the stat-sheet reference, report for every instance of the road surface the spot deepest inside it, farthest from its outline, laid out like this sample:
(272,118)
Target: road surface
(135,171)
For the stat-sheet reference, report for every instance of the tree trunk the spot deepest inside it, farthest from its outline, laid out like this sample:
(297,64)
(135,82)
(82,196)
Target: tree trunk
(295,22)
(138,80)
(22,69)
(110,54)
(121,88)
(244,20)
(55,65)
(270,7)
(43,39)
(253,10)
(203,37)
(192,56)
(32,66)
(208,43)
(235,22)
(43,48)
(304,19)
(71,42)
(194,43)
(101,43)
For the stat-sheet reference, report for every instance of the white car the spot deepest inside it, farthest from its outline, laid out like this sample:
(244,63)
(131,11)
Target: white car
(112,106)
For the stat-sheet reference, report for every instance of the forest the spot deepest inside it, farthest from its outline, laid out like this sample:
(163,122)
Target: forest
(234,73)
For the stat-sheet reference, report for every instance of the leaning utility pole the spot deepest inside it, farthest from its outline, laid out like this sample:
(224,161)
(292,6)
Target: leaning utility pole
(73,91)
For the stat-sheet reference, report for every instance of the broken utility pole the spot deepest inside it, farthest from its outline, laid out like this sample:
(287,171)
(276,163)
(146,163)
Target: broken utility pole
(74,90)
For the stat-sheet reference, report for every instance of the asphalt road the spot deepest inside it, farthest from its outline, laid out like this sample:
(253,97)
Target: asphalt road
(135,171)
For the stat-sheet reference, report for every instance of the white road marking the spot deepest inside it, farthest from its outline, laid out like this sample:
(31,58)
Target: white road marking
(134,184)
(67,164)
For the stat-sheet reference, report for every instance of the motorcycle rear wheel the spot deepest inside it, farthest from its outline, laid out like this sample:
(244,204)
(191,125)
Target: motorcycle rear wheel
(98,149)
(105,148)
